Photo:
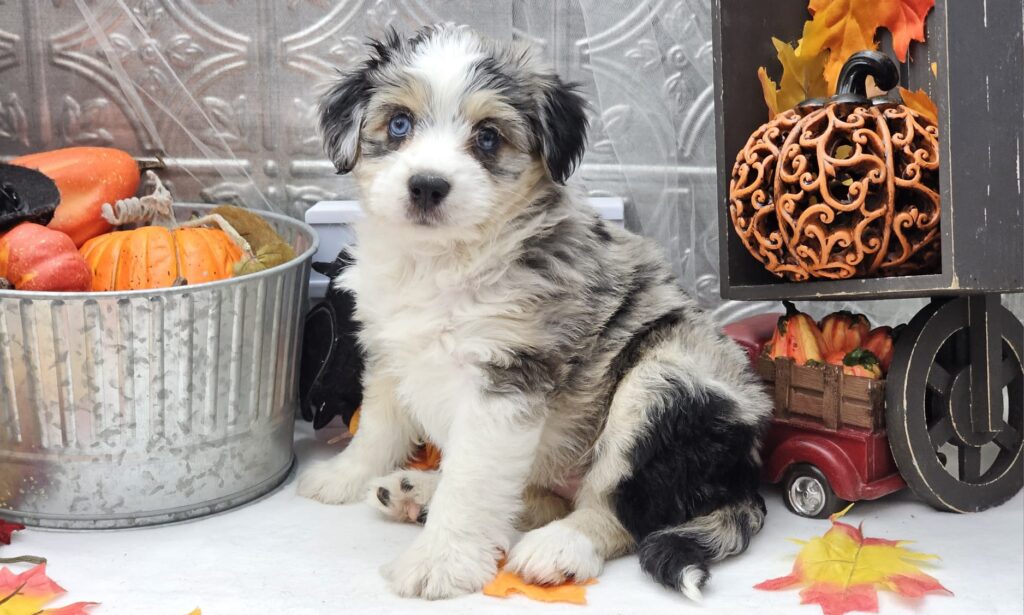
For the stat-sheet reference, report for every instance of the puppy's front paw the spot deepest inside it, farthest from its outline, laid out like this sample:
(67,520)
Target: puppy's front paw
(404,495)
(334,482)
(555,553)
(439,566)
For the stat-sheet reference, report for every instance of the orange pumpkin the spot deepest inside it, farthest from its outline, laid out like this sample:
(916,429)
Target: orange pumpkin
(154,257)
(844,331)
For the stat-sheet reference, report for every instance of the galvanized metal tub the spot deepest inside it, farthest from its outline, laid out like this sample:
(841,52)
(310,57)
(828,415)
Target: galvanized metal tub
(134,408)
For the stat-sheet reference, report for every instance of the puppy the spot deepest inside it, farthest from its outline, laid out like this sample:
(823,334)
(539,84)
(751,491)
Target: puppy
(506,323)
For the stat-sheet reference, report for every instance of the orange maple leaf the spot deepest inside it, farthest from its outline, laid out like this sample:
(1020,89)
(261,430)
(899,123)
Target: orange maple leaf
(507,583)
(905,19)
(841,27)
(28,592)
(802,78)
(844,27)
(922,103)
(842,570)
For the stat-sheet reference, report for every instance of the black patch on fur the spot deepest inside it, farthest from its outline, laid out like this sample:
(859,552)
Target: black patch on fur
(342,107)
(650,335)
(422,517)
(405,485)
(561,124)
(693,459)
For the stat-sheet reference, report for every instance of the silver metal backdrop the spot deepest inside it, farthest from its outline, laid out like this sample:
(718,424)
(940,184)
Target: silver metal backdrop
(224,91)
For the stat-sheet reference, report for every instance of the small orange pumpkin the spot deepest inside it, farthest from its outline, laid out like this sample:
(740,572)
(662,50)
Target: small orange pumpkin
(155,257)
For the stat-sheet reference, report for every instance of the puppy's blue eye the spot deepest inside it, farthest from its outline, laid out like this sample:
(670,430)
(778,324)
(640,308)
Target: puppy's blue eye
(488,139)
(399,126)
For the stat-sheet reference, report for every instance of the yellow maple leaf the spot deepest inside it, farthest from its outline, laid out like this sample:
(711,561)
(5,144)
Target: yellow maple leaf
(770,91)
(922,103)
(802,78)
(842,570)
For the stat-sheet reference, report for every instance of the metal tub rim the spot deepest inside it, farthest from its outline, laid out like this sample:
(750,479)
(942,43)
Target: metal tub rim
(183,207)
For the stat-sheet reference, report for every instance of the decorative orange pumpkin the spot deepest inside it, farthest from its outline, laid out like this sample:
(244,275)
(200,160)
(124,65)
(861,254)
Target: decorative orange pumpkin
(844,331)
(155,257)
(33,257)
(87,177)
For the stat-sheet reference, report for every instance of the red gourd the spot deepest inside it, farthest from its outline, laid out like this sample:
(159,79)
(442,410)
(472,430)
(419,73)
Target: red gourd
(880,342)
(87,177)
(34,257)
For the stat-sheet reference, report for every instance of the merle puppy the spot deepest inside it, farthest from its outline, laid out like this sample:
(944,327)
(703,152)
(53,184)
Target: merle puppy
(534,344)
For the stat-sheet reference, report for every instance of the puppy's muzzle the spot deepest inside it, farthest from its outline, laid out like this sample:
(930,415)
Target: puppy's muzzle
(426,192)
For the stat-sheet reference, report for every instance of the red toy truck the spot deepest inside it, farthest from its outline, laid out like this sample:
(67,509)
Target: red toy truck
(827,443)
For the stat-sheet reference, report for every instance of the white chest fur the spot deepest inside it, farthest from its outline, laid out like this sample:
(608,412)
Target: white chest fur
(430,333)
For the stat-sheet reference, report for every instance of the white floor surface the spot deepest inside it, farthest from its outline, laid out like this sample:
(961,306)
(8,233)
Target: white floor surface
(291,556)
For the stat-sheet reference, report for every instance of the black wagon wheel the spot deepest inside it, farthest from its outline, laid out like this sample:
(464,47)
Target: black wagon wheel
(955,404)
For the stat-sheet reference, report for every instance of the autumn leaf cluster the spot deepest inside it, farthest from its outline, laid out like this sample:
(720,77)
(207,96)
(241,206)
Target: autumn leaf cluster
(838,29)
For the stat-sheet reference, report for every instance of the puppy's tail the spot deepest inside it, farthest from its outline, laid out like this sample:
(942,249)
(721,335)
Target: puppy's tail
(678,557)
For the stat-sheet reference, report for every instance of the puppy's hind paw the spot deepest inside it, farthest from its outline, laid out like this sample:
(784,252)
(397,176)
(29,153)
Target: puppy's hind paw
(404,495)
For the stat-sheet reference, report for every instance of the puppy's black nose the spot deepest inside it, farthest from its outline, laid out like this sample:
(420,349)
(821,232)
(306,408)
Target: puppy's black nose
(427,191)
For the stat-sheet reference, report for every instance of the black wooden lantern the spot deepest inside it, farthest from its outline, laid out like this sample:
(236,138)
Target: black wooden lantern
(954,408)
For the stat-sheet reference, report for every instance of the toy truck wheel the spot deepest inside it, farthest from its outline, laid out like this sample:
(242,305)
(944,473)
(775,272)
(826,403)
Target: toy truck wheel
(809,494)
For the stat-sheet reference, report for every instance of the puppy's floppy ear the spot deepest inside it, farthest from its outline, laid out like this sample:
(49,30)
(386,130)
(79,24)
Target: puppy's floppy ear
(562,127)
(343,106)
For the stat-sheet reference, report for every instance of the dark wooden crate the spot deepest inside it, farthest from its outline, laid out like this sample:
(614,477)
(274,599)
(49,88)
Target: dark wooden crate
(979,90)
(824,395)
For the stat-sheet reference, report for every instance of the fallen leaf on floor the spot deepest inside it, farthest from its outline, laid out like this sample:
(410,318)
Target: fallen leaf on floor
(842,570)
(27,593)
(6,529)
(508,583)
